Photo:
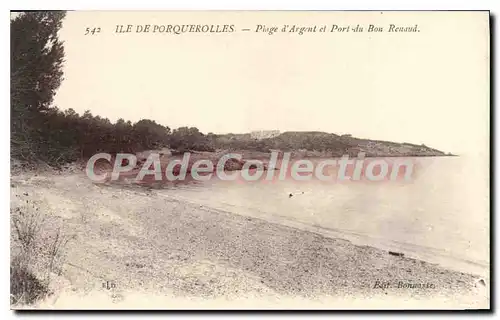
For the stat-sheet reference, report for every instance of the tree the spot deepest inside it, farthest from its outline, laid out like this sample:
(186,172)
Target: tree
(186,138)
(37,57)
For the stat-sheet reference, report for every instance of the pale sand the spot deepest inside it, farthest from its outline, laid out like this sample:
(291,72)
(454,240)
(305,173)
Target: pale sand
(162,253)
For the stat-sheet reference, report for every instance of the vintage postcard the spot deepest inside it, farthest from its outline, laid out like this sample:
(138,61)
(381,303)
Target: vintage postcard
(250,160)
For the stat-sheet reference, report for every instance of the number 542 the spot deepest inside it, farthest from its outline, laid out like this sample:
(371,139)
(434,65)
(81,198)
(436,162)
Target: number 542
(92,31)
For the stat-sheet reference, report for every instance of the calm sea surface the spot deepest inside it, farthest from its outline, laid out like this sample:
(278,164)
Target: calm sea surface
(441,215)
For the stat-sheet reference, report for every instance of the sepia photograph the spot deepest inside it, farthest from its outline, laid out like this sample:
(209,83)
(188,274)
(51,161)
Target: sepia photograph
(250,160)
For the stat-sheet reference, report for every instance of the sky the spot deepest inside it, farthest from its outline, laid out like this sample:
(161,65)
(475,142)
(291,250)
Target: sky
(427,87)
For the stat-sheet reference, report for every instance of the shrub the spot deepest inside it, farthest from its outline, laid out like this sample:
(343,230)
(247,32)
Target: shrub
(35,252)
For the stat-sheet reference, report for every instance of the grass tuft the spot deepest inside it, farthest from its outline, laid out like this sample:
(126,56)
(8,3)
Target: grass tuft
(36,252)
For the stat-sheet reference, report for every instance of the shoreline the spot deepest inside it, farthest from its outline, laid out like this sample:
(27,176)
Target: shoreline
(154,167)
(163,247)
(429,255)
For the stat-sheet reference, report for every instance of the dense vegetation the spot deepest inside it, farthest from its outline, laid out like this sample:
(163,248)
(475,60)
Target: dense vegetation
(42,132)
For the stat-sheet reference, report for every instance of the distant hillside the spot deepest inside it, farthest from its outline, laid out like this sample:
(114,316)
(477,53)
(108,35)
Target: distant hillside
(320,143)
(376,148)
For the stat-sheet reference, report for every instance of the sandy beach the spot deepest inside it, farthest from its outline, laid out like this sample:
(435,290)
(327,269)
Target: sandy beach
(132,248)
